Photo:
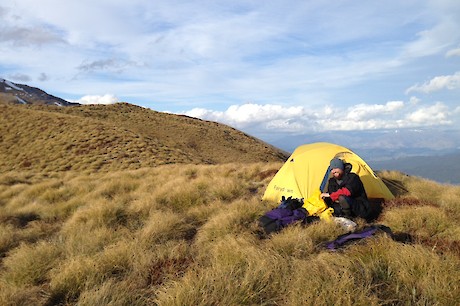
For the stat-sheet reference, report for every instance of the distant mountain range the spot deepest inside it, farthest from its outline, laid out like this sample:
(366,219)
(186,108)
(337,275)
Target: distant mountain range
(377,145)
(443,168)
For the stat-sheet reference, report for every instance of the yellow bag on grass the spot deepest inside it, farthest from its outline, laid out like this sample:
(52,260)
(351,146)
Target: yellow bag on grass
(316,206)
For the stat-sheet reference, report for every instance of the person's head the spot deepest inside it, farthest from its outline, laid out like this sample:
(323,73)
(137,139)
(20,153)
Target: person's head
(337,167)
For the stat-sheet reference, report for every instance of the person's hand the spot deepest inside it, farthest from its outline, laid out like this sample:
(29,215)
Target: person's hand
(325,195)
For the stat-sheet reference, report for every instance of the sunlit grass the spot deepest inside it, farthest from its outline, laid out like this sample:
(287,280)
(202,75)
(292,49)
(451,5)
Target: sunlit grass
(188,235)
(29,264)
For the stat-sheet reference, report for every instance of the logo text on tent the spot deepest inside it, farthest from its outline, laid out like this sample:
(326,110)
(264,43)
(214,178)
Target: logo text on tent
(283,189)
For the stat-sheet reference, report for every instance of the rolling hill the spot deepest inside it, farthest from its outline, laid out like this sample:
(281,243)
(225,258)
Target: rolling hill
(119,136)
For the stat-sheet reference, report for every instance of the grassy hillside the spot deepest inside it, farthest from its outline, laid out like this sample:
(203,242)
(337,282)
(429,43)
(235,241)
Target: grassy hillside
(188,235)
(114,137)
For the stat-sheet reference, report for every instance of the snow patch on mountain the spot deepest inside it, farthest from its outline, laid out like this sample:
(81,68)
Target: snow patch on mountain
(11,85)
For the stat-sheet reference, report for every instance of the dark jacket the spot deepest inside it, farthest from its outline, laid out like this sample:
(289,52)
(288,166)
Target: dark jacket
(352,187)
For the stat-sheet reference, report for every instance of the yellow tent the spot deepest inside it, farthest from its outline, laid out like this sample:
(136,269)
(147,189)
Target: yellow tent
(307,171)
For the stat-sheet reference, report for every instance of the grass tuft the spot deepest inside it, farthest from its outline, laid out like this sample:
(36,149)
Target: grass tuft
(29,264)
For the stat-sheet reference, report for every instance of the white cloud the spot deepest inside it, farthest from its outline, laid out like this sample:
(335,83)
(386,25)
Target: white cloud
(438,83)
(249,114)
(453,52)
(436,114)
(97,99)
(439,32)
(364,111)
(414,100)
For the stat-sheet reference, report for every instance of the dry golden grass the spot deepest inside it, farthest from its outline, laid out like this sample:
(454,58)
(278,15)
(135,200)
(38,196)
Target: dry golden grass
(43,140)
(28,264)
(122,136)
(7,99)
(188,235)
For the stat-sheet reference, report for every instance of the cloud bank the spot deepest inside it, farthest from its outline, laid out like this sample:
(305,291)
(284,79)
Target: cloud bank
(302,120)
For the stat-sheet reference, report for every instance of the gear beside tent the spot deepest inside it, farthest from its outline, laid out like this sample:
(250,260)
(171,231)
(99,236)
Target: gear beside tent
(307,171)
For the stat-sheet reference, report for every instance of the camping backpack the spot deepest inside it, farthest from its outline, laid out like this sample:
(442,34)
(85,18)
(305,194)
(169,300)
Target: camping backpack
(290,203)
(289,211)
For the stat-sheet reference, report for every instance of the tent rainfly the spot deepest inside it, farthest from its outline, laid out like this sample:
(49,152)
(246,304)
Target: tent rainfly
(307,170)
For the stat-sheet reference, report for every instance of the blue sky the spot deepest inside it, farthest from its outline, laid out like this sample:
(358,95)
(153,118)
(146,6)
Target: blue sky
(260,66)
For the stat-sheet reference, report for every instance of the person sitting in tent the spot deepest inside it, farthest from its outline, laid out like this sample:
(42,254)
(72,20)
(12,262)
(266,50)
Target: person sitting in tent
(345,191)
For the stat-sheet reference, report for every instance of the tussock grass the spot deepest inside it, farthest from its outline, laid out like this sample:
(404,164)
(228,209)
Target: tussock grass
(235,272)
(448,199)
(231,219)
(408,273)
(13,233)
(29,263)
(327,279)
(162,227)
(76,240)
(179,195)
(188,235)
(12,295)
(110,292)
(100,213)
(79,273)
(424,220)
(302,243)
(8,237)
